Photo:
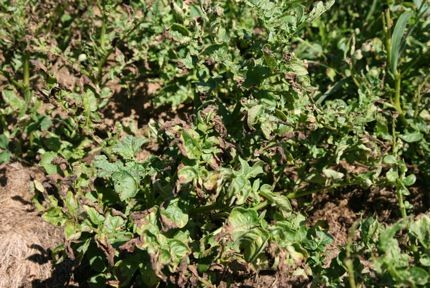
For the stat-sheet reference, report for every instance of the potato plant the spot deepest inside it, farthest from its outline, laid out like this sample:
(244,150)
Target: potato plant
(182,143)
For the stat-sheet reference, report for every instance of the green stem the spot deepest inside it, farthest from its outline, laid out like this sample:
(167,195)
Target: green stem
(260,205)
(348,261)
(399,194)
(204,209)
(302,193)
(418,97)
(386,17)
(370,12)
(387,24)
(105,54)
(397,95)
(401,204)
(26,82)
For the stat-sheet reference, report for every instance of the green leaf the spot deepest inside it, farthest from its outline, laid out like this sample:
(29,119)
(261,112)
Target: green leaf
(71,203)
(387,240)
(392,175)
(181,29)
(5,156)
(369,230)
(240,189)
(390,159)
(242,220)
(412,137)
(247,171)
(255,75)
(279,200)
(104,167)
(125,185)
(253,243)
(55,216)
(4,141)
(46,162)
(71,231)
(94,216)
(409,180)
(253,114)
(419,276)
(172,216)
(330,173)
(190,144)
(126,268)
(13,100)
(89,101)
(421,230)
(298,69)
(319,8)
(129,146)
(177,250)
(397,38)
(52,143)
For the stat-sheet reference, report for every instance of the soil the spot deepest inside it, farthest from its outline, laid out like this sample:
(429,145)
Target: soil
(339,211)
(27,240)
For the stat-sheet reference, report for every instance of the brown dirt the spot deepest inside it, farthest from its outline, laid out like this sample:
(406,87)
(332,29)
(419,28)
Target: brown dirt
(338,216)
(26,238)
(340,210)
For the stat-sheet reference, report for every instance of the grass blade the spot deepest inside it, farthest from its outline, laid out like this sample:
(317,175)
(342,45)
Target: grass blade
(397,38)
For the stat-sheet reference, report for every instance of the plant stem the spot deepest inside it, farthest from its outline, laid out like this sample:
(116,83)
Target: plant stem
(204,209)
(386,17)
(260,205)
(399,194)
(105,54)
(302,193)
(401,204)
(418,97)
(387,24)
(26,82)
(397,95)
(370,12)
(348,261)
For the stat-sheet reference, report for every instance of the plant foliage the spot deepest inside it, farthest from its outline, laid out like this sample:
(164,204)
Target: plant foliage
(181,141)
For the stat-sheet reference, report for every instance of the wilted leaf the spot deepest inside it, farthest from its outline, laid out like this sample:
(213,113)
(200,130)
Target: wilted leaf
(186,174)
